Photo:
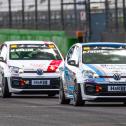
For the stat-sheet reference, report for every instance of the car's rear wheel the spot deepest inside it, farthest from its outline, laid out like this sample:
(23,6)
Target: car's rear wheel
(62,98)
(77,97)
(5,90)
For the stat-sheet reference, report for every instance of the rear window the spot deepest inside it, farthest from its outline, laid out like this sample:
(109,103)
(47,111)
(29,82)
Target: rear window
(34,52)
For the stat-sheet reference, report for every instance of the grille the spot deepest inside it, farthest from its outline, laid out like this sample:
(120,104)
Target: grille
(54,83)
(104,91)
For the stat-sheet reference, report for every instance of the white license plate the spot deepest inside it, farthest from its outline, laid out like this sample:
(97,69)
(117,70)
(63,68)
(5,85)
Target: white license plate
(117,88)
(40,82)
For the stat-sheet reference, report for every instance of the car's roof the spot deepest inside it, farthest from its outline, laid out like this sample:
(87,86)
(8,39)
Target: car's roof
(102,44)
(28,42)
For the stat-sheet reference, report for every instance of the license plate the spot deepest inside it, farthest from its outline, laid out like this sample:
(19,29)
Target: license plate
(117,88)
(40,82)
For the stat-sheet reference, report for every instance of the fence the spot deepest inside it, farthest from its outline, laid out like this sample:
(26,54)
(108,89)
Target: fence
(116,12)
(41,14)
(67,15)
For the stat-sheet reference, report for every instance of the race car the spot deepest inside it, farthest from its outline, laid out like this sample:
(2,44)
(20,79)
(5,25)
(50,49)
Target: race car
(94,71)
(30,67)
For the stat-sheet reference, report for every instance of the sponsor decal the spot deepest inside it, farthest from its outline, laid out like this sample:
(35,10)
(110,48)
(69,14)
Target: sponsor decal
(94,51)
(13,46)
(70,88)
(114,67)
(86,48)
(22,50)
(38,65)
(51,46)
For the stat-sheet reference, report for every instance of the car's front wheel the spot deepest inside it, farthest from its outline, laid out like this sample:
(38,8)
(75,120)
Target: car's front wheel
(62,98)
(5,90)
(77,97)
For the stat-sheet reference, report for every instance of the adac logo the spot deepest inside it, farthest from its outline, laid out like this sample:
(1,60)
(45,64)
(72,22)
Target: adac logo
(117,76)
(39,71)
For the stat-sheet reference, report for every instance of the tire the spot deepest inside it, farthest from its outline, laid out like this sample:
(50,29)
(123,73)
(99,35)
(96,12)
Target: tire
(5,90)
(77,100)
(62,98)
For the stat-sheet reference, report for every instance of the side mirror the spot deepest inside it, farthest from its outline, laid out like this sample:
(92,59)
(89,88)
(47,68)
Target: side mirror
(72,63)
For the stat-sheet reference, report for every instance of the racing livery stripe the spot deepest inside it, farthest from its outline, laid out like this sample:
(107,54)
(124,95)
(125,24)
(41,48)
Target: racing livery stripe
(54,65)
(97,71)
(70,88)
(104,73)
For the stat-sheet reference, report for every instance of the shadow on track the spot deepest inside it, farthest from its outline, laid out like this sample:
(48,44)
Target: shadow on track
(34,96)
(119,104)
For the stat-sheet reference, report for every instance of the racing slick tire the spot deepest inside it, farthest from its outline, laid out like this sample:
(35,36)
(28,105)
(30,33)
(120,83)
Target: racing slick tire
(77,100)
(4,89)
(62,98)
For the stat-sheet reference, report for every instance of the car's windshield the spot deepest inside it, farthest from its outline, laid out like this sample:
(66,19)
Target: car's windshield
(104,55)
(34,52)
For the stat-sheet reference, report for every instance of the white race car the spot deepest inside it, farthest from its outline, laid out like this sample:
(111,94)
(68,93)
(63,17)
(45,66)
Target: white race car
(94,72)
(30,67)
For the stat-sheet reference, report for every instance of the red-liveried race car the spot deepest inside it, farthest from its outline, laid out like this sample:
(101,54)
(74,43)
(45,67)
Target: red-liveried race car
(30,66)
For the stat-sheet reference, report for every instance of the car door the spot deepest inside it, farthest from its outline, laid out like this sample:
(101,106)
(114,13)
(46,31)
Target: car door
(3,54)
(70,70)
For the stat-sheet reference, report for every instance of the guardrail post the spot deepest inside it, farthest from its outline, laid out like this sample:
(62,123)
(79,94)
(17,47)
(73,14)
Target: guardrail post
(107,13)
(49,15)
(10,14)
(36,14)
(75,12)
(124,15)
(23,18)
(62,15)
(116,15)
(88,19)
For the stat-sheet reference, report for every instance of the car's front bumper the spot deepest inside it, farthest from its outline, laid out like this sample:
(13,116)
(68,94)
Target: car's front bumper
(100,92)
(17,87)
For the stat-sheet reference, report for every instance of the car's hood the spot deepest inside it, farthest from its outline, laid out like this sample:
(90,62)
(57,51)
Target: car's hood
(45,65)
(107,72)
(106,69)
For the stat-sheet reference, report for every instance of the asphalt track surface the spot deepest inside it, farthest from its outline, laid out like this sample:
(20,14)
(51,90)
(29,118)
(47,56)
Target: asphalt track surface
(27,110)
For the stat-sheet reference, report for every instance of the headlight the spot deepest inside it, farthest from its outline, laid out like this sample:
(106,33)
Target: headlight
(15,70)
(89,74)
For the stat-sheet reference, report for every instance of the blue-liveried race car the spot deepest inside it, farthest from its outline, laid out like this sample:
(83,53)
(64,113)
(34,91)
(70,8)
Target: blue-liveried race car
(94,72)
